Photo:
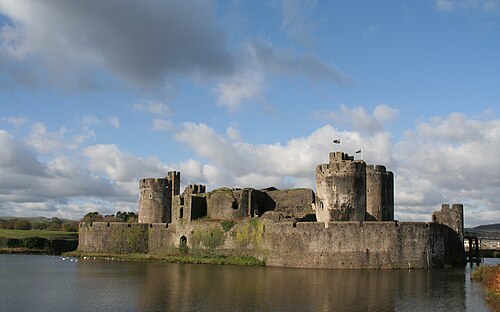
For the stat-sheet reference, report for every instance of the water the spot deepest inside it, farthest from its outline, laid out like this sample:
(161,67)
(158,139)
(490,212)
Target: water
(46,283)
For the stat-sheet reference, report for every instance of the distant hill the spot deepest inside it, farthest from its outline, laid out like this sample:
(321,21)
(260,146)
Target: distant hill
(488,227)
(32,219)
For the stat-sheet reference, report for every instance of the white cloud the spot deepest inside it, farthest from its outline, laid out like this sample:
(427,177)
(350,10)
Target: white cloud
(483,5)
(446,160)
(114,121)
(44,141)
(233,134)
(119,166)
(154,108)
(385,113)
(359,119)
(233,91)
(162,125)
(15,121)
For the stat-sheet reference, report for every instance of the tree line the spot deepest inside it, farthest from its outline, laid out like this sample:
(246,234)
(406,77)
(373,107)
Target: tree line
(56,224)
(52,224)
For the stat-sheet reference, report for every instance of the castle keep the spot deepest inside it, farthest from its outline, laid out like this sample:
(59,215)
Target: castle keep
(349,190)
(347,223)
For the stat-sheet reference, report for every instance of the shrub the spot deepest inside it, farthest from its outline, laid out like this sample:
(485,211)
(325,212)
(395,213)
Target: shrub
(489,277)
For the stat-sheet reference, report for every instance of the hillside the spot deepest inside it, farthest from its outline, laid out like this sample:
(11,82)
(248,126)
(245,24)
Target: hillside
(488,227)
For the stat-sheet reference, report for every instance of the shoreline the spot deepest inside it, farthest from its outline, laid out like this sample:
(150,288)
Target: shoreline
(203,258)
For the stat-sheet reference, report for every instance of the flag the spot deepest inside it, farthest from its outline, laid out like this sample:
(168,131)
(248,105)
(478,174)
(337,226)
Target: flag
(358,151)
(336,141)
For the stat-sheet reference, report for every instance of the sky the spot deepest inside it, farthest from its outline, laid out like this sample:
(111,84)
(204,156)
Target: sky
(95,95)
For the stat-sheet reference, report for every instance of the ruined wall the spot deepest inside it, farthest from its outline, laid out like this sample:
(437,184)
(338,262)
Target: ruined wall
(174,182)
(295,202)
(259,203)
(154,201)
(452,217)
(113,237)
(226,204)
(340,189)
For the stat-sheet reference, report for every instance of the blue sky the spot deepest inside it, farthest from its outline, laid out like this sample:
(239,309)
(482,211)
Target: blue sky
(97,94)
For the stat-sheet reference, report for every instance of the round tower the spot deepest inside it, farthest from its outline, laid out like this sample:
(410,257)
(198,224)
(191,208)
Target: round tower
(154,201)
(340,189)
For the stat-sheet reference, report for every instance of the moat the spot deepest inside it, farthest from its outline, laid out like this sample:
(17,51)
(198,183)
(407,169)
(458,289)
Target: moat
(46,283)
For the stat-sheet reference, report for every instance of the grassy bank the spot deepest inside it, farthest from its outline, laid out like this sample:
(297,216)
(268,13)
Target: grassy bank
(37,241)
(489,277)
(178,258)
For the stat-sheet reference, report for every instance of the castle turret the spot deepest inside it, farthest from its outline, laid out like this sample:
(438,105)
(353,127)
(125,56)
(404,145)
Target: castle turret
(379,194)
(154,201)
(340,189)
(156,196)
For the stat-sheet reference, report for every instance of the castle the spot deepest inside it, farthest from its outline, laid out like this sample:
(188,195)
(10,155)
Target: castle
(347,223)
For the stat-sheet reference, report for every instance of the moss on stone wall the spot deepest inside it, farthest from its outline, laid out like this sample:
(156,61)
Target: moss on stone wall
(210,238)
(249,234)
(227,225)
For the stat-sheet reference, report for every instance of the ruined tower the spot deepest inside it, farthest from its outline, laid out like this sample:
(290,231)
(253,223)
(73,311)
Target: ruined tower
(379,194)
(340,189)
(452,217)
(155,198)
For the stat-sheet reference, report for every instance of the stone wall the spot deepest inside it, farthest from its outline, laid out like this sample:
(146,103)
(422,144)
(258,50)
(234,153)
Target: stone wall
(357,245)
(113,237)
(224,204)
(296,202)
(340,245)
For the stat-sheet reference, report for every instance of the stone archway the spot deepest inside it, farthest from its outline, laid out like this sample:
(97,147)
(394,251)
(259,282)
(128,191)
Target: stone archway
(183,246)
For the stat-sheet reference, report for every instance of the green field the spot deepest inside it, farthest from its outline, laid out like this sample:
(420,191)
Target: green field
(38,233)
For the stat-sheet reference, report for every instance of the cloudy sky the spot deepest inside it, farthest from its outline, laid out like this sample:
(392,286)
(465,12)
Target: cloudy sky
(96,94)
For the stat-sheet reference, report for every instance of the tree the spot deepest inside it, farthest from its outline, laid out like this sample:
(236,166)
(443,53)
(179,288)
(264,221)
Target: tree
(127,216)
(92,217)
(70,226)
(54,224)
(22,225)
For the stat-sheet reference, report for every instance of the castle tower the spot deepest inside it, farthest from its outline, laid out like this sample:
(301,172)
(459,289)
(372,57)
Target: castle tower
(156,197)
(379,194)
(155,201)
(340,189)
(174,182)
(452,217)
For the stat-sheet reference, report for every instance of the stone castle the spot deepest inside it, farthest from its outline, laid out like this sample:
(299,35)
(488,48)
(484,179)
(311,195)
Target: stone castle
(347,223)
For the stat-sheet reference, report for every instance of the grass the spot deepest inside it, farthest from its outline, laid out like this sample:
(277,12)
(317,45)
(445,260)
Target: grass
(489,277)
(188,258)
(20,234)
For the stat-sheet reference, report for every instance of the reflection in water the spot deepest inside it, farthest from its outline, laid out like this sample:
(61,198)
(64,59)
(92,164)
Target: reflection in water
(38,283)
